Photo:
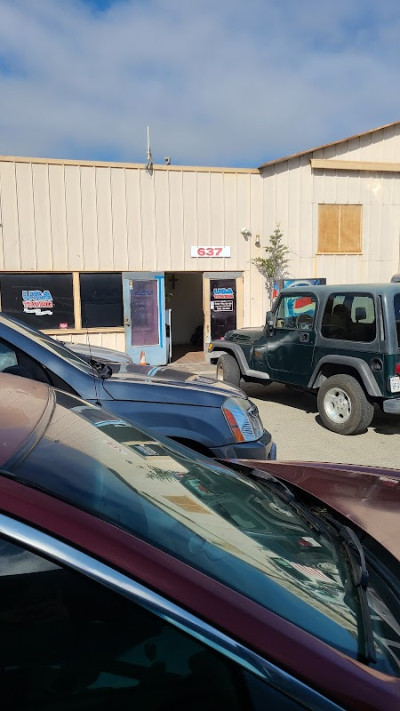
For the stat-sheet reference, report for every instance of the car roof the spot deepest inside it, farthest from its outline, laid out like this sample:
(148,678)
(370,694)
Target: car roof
(323,289)
(23,404)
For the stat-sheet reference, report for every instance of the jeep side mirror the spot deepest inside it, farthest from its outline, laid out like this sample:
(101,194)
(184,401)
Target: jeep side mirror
(270,321)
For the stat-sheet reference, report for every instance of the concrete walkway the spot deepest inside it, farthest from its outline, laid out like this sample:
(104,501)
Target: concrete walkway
(202,367)
(191,361)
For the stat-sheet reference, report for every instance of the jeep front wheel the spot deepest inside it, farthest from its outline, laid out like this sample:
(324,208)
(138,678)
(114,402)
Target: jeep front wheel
(228,370)
(343,405)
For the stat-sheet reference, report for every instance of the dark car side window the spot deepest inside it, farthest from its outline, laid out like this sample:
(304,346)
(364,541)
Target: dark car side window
(69,642)
(296,312)
(349,317)
(17,362)
(397,317)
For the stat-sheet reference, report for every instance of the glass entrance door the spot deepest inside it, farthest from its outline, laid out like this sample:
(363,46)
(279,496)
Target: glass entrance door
(222,306)
(144,317)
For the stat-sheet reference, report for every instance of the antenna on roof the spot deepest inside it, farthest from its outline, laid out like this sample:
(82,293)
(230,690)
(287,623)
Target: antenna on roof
(149,165)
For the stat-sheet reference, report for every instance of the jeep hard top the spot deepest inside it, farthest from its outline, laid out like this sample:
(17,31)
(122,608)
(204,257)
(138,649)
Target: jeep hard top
(340,341)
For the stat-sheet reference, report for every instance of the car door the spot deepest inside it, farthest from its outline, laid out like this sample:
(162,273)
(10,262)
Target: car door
(77,634)
(290,345)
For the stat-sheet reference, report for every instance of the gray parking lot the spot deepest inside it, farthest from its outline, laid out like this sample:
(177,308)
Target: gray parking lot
(292,418)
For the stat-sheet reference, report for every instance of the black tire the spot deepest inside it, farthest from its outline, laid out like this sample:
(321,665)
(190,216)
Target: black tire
(228,370)
(343,405)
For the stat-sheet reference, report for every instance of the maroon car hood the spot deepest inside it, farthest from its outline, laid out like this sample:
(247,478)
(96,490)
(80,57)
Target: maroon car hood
(368,496)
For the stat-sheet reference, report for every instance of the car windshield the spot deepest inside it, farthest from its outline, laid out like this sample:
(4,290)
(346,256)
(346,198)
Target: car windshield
(49,343)
(231,527)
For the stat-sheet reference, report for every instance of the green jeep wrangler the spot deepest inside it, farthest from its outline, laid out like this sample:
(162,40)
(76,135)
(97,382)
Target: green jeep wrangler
(342,342)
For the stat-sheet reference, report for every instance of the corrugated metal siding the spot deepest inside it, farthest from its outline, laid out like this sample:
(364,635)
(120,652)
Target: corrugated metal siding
(88,217)
(80,217)
(292,193)
(383,145)
(105,339)
(70,215)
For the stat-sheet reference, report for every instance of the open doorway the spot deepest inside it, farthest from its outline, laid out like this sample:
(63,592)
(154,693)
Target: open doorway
(184,296)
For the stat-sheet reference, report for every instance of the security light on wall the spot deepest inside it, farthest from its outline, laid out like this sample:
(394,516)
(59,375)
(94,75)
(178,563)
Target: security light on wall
(246,232)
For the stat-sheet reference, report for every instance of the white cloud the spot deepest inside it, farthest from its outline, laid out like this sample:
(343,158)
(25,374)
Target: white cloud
(219,83)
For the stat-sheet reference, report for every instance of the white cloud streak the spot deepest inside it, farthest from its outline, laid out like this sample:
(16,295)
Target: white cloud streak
(219,83)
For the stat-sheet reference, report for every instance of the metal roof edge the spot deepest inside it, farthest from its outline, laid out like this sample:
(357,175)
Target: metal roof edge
(128,166)
(326,145)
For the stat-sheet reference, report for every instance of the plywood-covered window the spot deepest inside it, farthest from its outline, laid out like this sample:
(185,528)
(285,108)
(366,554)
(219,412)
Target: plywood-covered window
(339,228)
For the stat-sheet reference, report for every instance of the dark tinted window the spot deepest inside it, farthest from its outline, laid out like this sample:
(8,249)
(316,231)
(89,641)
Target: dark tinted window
(101,300)
(70,643)
(41,300)
(43,341)
(349,317)
(397,317)
(222,306)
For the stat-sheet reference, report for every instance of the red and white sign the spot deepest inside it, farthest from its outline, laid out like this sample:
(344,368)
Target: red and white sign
(204,251)
(312,573)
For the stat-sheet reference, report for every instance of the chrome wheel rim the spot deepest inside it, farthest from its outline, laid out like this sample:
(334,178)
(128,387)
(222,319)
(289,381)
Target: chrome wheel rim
(337,405)
(220,372)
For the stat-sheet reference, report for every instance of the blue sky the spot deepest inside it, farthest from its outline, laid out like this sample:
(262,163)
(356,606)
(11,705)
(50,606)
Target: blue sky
(219,82)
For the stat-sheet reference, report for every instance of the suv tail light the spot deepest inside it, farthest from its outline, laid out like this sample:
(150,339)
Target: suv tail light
(397,369)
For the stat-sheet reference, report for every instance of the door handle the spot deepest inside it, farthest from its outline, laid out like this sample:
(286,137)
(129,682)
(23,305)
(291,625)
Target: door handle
(304,337)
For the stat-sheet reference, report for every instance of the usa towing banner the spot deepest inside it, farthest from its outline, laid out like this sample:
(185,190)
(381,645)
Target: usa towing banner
(37,302)
(44,301)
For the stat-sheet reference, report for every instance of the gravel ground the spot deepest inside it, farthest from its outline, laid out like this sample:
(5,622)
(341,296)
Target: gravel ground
(292,418)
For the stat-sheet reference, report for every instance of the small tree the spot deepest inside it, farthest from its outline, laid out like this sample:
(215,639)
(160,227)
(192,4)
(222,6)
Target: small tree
(274,266)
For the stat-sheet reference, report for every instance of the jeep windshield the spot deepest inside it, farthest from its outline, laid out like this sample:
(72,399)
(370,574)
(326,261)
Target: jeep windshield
(237,530)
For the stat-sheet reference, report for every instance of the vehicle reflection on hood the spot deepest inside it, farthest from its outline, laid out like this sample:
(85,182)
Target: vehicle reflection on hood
(234,528)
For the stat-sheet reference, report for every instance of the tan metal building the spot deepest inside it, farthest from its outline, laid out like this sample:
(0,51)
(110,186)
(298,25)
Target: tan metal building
(98,251)
(339,207)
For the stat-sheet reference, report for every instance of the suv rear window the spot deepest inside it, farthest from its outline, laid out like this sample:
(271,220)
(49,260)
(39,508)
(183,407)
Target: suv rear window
(350,317)
(397,317)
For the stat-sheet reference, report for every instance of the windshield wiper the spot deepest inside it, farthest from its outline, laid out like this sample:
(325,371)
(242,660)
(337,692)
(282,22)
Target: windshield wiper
(279,488)
(360,578)
(325,524)
(272,483)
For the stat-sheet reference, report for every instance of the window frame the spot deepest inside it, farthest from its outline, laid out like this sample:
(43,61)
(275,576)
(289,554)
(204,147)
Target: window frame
(350,334)
(279,318)
(340,210)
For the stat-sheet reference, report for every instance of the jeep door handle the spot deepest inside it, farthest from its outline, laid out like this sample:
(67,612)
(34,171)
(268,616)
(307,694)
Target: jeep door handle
(304,337)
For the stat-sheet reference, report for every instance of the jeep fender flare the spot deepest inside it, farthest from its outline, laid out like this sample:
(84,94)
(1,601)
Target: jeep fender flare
(357,364)
(236,352)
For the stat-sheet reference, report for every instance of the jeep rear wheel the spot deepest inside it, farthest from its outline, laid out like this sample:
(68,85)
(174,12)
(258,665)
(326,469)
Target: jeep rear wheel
(228,370)
(343,405)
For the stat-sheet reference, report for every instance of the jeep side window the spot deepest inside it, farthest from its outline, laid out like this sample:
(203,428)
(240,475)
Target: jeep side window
(296,312)
(350,317)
